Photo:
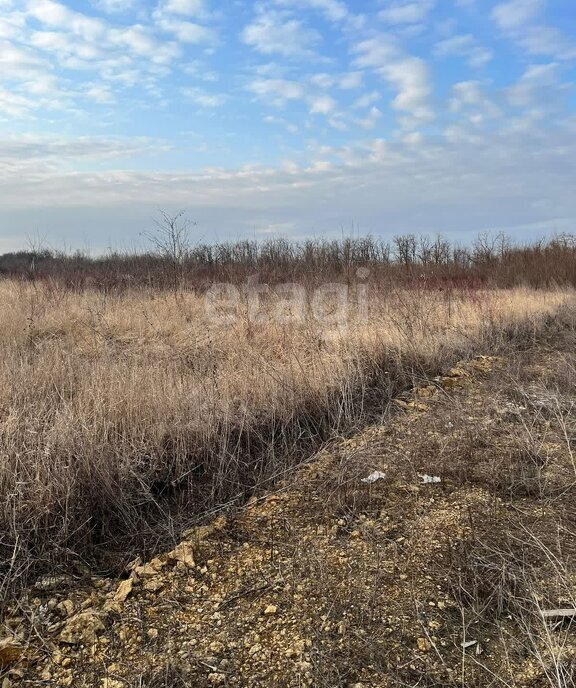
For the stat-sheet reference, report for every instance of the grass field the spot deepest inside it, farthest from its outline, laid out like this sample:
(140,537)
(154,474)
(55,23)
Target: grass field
(429,542)
(185,439)
(126,415)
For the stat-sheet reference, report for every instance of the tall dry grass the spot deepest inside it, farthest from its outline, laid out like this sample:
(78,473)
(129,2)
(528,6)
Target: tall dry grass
(123,415)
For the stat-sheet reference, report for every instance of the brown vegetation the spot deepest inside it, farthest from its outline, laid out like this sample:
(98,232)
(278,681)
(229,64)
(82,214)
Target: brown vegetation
(175,262)
(129,412)
(332,580)
(124,415)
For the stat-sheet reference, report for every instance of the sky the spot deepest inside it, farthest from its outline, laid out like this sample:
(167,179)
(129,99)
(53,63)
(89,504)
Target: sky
(292,118)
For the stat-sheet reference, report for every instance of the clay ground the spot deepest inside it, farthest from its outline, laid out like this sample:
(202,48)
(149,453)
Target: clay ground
(437,573)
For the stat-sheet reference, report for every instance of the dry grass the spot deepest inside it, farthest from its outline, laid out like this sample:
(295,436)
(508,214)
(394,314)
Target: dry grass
(122,412)
(395,583)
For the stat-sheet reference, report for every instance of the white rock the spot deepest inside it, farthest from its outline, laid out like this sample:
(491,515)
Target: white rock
(430,479)
(374,477)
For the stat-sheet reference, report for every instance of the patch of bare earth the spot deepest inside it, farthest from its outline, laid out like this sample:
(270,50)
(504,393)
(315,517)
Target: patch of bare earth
(426,551)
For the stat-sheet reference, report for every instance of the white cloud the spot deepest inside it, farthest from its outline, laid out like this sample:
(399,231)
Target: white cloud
(11,26)
(20,63)
(408,75)
(468,98)
(56,15)
(187,8)
(142,42)
(516,13)
(173,16)
(205,99)
(547,40)
(43,42)
(276,33)
(114,6)
(187,32)
(199,70)
(540,86)
(346,82)
(14,105)
(43,84)
(367,99)
(36,147)
(323,80)
(338,124)
(351,80)
(371,119)
(100,94)
(322,105)
(516,19)
(464,45)
(334,10)
(277,91)
(464,184)
(90,39)
(406,12)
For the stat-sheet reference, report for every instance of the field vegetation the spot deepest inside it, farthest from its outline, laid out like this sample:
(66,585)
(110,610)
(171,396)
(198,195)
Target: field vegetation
(128,410)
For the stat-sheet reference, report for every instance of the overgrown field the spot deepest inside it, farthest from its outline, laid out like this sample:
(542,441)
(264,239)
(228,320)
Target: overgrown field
(434,547)
(124,415)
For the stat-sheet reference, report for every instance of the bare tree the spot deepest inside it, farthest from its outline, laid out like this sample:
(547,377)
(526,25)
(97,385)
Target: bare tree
(489,247)
(405,248)
(424,249)
(441,250)
(171,239)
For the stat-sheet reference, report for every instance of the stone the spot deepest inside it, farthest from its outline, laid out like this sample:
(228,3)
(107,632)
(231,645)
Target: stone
(10,651)
(202,532)
(153,585)
(66,607)
(152,568)
(423,644)
(121,595)
(82,629)
(123,590)
(183,553)
(449,383)
(270,610)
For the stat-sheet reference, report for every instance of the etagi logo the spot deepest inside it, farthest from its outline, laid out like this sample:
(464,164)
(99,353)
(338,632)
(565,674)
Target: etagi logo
(330,304)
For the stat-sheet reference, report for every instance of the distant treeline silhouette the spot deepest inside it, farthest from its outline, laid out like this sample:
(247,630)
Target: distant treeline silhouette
(492,260)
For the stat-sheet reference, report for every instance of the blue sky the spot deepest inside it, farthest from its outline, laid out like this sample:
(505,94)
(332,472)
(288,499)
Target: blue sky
(285,118)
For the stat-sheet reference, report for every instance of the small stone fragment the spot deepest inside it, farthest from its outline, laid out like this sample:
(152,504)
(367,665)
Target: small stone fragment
(153,585)
(124,589)
(184,554)
(112,683)
(82,629)
(10,651)
(121,594)
(423,644)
